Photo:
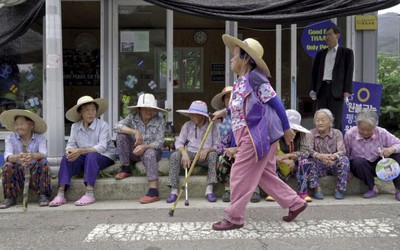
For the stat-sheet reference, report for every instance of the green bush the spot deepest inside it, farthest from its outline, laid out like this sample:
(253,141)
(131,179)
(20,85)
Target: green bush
(389,77)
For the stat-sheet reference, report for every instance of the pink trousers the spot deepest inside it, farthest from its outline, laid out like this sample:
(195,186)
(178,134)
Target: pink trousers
(247,173)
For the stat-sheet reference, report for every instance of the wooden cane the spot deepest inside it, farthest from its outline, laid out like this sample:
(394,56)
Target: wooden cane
(27,174)
(171,212)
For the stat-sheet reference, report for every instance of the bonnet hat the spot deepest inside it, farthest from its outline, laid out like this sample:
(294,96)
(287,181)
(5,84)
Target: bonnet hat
(197,107)
(294,118)
(8,118)
(73,115)
(217,102)
(146,101)
(252,47)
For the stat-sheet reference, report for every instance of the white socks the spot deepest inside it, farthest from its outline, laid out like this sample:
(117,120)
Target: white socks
(209,188)
(174,191)
(89,193)
(60,193)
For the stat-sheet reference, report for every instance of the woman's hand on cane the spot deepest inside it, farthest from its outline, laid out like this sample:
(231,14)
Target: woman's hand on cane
(219,114)
(185,161)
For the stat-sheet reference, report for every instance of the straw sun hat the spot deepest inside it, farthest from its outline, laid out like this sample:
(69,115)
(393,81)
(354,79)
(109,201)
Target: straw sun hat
(73,115)
(294,118)
(252,47)
(146,101)
(8,118)
(197,107)
(218,100)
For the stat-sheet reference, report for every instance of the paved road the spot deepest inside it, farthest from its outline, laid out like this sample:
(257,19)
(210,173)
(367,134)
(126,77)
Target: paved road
(354,223)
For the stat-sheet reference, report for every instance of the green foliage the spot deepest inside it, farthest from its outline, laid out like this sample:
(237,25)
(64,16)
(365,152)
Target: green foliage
(389,77)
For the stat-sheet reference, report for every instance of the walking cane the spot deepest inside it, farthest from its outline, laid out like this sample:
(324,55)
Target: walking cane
(186,190)
(171,212)
(186,186)
(27,174)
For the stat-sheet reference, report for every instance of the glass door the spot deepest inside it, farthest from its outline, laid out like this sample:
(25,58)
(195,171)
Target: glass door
(139,32)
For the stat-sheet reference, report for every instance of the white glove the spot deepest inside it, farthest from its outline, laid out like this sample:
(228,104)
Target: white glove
(313,95)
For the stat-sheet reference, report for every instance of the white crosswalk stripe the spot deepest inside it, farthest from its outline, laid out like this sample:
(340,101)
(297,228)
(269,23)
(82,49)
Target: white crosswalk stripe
(261,229)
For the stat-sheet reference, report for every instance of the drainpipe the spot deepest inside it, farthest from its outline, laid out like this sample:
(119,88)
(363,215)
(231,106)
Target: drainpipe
(53,87)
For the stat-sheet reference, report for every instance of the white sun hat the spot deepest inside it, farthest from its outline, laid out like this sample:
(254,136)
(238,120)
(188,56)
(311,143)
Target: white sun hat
(146,100)
(294,118)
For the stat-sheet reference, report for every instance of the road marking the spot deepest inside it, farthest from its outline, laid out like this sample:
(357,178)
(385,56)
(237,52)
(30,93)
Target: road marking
(383,227)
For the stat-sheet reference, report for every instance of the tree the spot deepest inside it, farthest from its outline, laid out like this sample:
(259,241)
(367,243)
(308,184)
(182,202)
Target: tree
(389,77)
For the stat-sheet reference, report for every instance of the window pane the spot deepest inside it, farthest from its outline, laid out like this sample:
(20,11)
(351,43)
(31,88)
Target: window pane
(192,71)
(137,65)
(81,52)
(21,73)
(187,66)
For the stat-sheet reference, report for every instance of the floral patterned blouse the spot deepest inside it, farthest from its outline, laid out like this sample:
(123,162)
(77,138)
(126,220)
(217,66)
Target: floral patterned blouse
(152,132)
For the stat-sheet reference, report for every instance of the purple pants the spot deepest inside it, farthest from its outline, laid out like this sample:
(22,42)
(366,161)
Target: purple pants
(90,164)
(365,170)
(247,173)
(150,158)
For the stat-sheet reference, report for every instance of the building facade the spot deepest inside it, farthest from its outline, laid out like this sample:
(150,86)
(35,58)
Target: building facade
(117,49)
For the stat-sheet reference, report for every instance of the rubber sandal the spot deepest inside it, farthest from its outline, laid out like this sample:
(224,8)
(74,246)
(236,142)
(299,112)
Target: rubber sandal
(172,198)
(211,197)
(270,198)
(57,201)
(85,200)
(8,202)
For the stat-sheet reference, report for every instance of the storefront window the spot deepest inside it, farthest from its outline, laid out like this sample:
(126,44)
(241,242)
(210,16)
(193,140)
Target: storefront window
(21,73)
(81,52)
(188,70)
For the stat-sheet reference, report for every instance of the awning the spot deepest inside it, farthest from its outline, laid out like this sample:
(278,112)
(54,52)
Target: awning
(275,11)
(16,20)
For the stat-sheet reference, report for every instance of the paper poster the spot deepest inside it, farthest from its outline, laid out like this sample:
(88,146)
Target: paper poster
(135,41)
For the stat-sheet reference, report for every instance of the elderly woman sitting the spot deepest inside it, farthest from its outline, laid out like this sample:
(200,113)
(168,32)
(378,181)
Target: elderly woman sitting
(140,138)
(366,144)
(326,155)
(89,149)
(187,145)
(25,148)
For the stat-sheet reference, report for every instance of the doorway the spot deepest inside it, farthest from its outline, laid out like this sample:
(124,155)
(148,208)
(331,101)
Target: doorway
(139,33)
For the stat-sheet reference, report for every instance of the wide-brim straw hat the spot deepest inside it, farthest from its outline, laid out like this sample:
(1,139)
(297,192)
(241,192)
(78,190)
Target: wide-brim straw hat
(146,101)
(197,107)
(73,115)
(294,118)
(8,118)
(218,100)
(252,47)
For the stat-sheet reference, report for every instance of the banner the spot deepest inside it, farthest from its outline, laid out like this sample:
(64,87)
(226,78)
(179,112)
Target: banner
(313,37)
(365,95)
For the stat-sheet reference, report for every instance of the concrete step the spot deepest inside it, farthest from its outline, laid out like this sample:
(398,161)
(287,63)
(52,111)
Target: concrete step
(133,188)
